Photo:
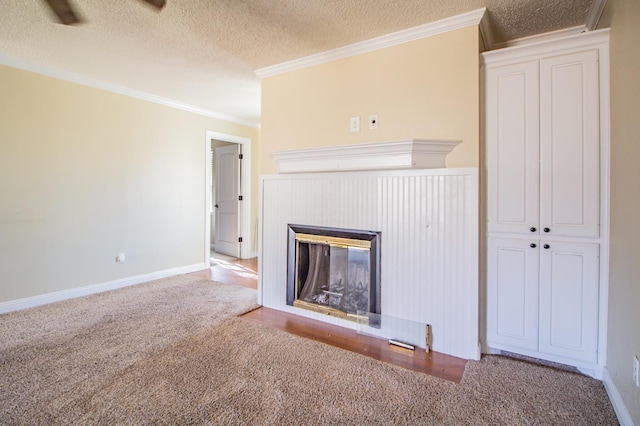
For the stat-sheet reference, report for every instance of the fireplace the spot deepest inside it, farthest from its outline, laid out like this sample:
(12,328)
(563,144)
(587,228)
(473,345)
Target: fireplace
(333,271)
(425,253)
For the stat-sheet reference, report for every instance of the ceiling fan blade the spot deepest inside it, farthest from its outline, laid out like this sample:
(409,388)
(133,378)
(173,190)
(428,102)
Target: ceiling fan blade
(64,11)
(159,4)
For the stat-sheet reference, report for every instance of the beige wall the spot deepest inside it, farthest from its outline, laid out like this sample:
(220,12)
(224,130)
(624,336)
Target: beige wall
(86,174)
(624,280)
(427,88)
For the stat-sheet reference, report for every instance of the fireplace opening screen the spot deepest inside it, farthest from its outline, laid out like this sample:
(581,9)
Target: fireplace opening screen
(333,271)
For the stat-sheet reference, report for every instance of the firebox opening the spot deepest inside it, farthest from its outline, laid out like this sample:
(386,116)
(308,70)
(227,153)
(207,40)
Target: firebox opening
(334,271)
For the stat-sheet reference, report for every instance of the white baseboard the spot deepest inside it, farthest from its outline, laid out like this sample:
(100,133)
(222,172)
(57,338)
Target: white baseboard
(616,400)
(43,299)
(250,255)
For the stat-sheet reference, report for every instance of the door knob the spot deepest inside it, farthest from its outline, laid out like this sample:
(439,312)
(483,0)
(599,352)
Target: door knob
(216,206)
(546,229)
(532,229)
(532,245)
(546,246)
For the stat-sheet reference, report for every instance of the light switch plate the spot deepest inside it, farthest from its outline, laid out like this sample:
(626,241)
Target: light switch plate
(354,125)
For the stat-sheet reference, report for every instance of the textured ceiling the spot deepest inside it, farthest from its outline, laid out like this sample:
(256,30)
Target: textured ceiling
(204,52)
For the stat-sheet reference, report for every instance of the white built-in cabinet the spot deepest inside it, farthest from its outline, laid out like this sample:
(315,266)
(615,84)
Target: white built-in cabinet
(543,297)
(545,195)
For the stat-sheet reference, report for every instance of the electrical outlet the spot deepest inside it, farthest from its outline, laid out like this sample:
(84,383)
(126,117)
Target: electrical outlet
(354,125)
(636,371)
(373,121)
(120,258)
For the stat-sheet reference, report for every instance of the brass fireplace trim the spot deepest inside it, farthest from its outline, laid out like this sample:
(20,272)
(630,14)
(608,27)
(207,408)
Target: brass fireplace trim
(334,241)
(319,308)
(362,319)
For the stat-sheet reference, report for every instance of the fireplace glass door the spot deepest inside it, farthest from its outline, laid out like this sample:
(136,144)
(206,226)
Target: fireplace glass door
(336,275)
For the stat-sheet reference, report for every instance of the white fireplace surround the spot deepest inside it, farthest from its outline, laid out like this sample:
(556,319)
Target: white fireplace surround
(428,220)
(401,154)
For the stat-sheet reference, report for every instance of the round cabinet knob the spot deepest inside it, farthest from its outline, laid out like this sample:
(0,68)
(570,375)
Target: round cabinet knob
(532,245)
(546,246)
(532,229)
(546,229)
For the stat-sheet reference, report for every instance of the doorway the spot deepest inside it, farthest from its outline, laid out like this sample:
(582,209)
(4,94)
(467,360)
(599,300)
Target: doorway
(228,186)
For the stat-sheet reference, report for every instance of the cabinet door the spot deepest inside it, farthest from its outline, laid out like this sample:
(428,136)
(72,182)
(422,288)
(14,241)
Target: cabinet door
(570,144)
(569,300)
(512,293)
(512,140)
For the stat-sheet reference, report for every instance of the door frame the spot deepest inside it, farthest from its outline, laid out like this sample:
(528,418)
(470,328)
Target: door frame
(244,208)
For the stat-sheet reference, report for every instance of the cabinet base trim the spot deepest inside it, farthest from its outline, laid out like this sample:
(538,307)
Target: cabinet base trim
(587,368)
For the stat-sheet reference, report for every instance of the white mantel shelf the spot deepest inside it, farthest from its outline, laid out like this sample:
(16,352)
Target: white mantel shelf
(402,154)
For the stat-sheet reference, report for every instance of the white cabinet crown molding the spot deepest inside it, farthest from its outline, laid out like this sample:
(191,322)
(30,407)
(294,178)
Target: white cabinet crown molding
(547,47)
(539,38)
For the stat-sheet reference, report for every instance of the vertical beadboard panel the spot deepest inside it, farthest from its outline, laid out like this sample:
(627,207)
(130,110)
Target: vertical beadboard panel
(276,200)
(424,257)
(428,221)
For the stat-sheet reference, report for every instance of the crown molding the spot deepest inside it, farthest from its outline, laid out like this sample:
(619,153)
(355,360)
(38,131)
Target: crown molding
(597,7)
(114,88)
(427,30)
(486,33)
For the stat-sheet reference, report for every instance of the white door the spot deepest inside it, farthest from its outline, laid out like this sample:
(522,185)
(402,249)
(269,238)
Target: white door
(569,299)
(570,145)
(512,293)
(512,135)
(227,200)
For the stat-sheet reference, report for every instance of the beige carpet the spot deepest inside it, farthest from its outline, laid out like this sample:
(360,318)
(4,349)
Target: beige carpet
(165,358)
(54,357)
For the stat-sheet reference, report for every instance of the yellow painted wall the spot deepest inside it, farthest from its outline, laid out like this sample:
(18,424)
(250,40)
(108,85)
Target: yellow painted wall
(624,282)
(86,174)
(424,89)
